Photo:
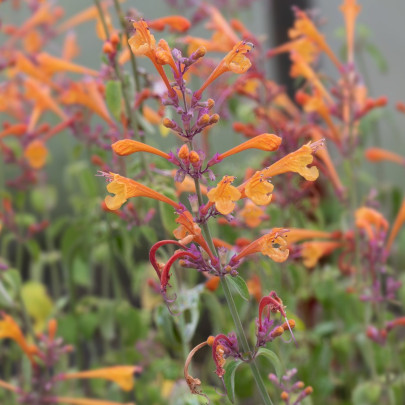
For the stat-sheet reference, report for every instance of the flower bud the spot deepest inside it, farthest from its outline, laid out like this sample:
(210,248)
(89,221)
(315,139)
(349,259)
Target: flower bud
(199,53)
(299,384)
(309,390)
(108,47)
(168,123)
(115,39)
(194,157)
(183,152)
(284,396)
(210,340)
(214,118)
(203,120)
(210,103)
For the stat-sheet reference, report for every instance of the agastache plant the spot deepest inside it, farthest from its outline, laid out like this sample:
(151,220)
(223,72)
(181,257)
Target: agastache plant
(195,246)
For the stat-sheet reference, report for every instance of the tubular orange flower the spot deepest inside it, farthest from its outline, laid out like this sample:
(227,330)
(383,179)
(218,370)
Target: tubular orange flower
(36,154)
(297,234)
(312,251)
(258,188)
(85,401)
(297,162)
(164,56)
(125,188)
(16,130)
(267,142)
(126,147)
(303,26)
(350,10)
(399,220)
(224,195)
(251,214)
(174,22)
(9,329)
(87,14)
(273,245)
(121,375)
(235,61)
(219,24)
(303,46)
(371,221)
(378,154)
(70,47)
(188,186)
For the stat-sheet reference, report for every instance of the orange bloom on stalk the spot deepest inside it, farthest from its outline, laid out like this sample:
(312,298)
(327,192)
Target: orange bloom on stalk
(10,330)
(258,188)
(121,375)
(125,188)
(251,214)
(378,154)
(235,61)
(273,245)
(297,234)
(85,401)
(303,46)
(399,220)
(36,154)
(313,251)
(224,195)
(127,147)
(174,22)
(371,221)
(350,10)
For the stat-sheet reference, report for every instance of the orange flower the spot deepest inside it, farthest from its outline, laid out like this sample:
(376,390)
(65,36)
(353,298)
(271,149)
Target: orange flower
(121,375)
(312,251)
(16,130)
(273,245)
(126,147)
(378,154)
(399,220)
(125,188)
(350,10)
(36,154)
(235,61)
(303,46)
(297,162)
(87,14)
(371,221)
(251,214)
(85,401)
(297,235)
(258,188)
(224,195)
(266,142)
(151,115)
(303,26)
(188,186)
(9,329)
(174,22)
(254,286)
(70,47)
(164,56)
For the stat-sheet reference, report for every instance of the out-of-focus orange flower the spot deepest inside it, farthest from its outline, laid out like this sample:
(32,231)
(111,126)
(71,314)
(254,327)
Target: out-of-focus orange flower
(127,147)
(16,130)
(85,401)
(212,283)
(88,94)
(350,10)
(399,220)
(272,244)
(308,51)
(304,27)
(371,221)
(151,115)
(313,251)
(378,154)
(10,330)
(188,186)
(33,42)
(121,375)
(297,162)
(210,45)
(70,47)
(254,286)
(266,142)
(297,234)
(235,61)
(174,22)
(224,195)
(252,214)
(124,188)
(220,24)
(36,154)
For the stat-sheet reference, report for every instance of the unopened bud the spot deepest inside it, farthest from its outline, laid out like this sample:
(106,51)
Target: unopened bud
(309,390)
(284,396)
(210,340)
(162,57)
(214,118)
(183,152)
(52,327)
(210,103)
(108,47)
(168,123)
(277,332)
(203,120)
(291,322)
(212,284)
(115,39)
(299,385)
(199,53)
(194,157)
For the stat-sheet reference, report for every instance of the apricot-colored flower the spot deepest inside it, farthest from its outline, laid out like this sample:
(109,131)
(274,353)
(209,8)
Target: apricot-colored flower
(126,147)
(266,142)
(164,56)
(188,186)
(350,10)
(378,154)
(313,251)
(36,154)
(70,47)
(90,13)
(251,214)
(121,375)
(297,234)
(224,195)
(10,330)
(254,286)
(272,244)
(303,46)
(258,188)
(371,221)
(16,130)
(125,188)
(297,162)
(399,220)
(85,401)
(174,22)
(151,115)
(235,61)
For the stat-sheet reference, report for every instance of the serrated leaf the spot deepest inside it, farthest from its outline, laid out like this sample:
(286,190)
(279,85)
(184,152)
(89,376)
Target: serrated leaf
(274,360)
(238,283)
(113,97)
(229,378)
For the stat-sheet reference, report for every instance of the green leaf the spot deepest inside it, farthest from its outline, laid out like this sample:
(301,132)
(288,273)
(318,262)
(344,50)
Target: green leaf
(238,283)
(113,96)
(274,360)
(44,199)
(81,274)
(378,57)
(229,378)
